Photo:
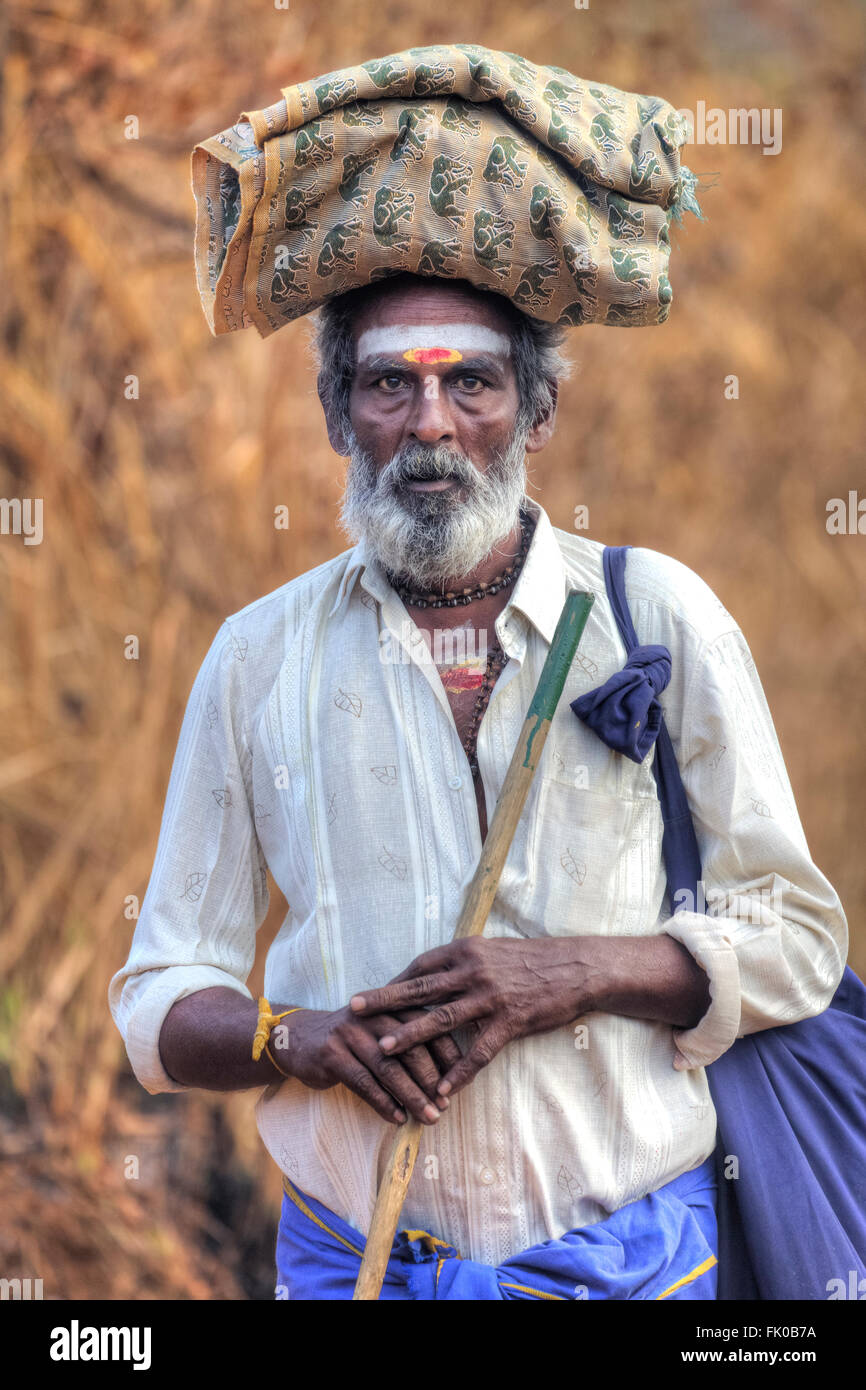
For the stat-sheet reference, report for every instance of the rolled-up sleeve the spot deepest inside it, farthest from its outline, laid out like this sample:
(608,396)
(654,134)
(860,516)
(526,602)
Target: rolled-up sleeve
(771,933)
(207,895)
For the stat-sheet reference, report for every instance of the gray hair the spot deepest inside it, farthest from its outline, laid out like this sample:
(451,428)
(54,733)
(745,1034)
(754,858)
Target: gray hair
(538,363)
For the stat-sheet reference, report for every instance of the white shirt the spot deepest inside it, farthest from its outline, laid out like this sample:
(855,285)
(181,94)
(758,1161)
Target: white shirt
(304,751)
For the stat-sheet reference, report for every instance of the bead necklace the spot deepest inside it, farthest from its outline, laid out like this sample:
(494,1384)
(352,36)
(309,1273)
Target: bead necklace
(496,660)
(451,599)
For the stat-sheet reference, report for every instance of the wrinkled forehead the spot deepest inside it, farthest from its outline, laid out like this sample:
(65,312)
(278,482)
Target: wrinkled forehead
(432,343)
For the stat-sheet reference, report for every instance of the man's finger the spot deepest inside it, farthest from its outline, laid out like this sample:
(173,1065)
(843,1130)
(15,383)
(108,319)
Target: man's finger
(480,1054)
(358,1078)
(432,1024)
(393,1076)
(421,989)
(428,963)
(418,1061)
(446,1054)
(421,1066)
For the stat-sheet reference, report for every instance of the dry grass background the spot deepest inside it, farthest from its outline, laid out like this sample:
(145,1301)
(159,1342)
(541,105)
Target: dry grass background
(158,513)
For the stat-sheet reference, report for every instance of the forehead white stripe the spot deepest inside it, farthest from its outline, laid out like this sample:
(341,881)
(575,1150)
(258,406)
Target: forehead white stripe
(464,337)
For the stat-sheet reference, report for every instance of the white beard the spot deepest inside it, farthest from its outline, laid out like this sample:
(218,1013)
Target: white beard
(428,538)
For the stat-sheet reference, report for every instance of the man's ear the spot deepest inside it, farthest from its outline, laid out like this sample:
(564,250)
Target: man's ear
(542,431)
(336,437)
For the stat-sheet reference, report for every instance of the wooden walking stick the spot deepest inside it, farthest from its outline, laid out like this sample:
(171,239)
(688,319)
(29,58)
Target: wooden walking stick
(479,899)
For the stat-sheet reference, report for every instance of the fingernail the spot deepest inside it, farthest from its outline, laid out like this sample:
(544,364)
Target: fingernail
(443,1102)
(357,1002)
(444,1087)
(431,1112)
(387,1042)
(399,1117)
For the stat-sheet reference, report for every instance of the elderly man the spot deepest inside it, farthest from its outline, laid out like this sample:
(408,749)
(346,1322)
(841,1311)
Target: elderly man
(350,733)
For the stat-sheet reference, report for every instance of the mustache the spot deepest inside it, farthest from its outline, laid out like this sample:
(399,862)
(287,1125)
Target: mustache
(428,463)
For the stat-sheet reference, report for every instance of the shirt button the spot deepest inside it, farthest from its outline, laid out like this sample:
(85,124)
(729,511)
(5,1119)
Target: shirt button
(455,783)
(486,1176)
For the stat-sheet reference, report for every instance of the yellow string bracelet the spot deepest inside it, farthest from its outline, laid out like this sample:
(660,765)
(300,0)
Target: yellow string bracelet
(264,1025)
(274,1060)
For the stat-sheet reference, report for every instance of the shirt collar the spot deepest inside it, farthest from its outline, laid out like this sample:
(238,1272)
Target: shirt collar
(539,592)
(541,586)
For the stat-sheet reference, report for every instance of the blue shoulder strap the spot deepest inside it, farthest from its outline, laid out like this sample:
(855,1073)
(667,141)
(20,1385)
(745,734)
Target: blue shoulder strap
(679,844)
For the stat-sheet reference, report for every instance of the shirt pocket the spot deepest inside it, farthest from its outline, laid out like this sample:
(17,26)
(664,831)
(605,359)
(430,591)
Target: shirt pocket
(594,862)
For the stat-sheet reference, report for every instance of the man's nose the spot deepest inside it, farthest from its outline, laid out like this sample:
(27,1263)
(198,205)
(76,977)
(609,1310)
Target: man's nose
(431,421)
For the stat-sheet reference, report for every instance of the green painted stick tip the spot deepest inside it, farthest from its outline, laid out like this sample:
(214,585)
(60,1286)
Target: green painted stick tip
(569,630)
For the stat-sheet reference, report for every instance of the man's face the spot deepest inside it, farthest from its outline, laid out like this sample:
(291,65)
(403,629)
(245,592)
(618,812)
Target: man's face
(402,395)
(437,471)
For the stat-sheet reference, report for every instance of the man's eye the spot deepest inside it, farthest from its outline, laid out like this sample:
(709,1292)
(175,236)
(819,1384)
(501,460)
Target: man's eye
(473,384)
(389,383)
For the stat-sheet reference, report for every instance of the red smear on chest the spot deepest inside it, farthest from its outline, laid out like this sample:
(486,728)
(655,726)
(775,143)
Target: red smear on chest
(460,678)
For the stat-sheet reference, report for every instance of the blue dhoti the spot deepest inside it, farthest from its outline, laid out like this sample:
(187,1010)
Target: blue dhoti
(663,1246)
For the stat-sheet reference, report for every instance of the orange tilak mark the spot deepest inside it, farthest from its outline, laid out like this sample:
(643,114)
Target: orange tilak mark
(436,354)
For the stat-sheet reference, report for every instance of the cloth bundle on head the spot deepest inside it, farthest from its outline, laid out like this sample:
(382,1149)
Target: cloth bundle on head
(454,161)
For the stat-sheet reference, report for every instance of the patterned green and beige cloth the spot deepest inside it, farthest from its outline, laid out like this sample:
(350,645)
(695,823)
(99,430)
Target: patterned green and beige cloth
(454,161)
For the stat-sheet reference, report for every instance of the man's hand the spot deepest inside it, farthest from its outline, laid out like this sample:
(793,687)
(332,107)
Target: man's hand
(512,988)
(324,1049)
